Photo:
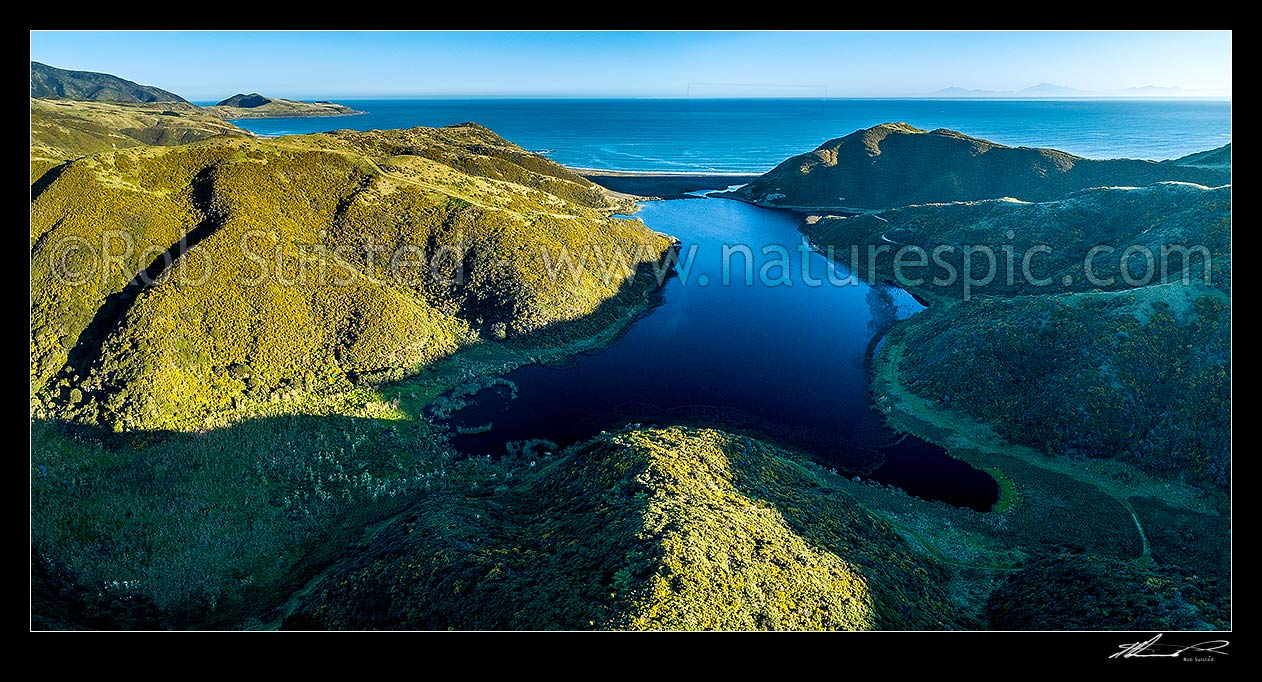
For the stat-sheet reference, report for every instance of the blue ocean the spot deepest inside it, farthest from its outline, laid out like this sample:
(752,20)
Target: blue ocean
(753,135)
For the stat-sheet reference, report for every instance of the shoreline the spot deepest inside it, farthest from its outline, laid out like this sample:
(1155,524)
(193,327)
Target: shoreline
(275,118)
(663,185)
(605,172)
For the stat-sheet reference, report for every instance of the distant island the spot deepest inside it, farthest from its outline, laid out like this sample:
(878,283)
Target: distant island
(49,82)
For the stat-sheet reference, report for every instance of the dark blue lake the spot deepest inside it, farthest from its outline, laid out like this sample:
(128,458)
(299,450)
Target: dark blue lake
(779,354)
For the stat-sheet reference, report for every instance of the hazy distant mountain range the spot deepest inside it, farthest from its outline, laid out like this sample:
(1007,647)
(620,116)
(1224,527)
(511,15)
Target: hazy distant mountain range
(1046,90)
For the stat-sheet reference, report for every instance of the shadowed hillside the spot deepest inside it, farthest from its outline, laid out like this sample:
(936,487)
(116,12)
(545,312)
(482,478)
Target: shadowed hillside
(244,101)
(1077,592)
(63,129)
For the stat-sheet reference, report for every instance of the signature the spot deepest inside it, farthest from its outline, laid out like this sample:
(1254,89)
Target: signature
(1152,649)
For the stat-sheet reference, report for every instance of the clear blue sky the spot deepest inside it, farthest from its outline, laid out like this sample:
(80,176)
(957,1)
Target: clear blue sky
(213,65)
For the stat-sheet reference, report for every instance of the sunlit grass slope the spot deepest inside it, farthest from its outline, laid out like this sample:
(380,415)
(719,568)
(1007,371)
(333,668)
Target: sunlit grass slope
(658,529)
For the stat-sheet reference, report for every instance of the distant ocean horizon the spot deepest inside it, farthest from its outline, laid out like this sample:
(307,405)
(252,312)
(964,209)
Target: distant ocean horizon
(753,135)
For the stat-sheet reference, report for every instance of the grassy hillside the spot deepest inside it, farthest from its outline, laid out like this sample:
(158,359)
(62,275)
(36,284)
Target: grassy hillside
(255,105)
(273,283)
(894,164)
(1144,377)
(674,528)
(63,129)
(1135,372)
(51,82)
(1219,159)
(95,126)
(1058,236)
(1078,592)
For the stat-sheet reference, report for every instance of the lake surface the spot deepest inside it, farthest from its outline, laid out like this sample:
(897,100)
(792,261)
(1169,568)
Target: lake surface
(743,135)
(770,355)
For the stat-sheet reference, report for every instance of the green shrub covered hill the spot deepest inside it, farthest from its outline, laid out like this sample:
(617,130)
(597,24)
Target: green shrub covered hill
(267,270)
(895,164)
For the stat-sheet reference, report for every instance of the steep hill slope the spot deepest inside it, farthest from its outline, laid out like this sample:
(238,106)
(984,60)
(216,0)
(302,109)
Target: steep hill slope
(1136,370)
(51,82)
(240,270)
(1142,376)
(894,164)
